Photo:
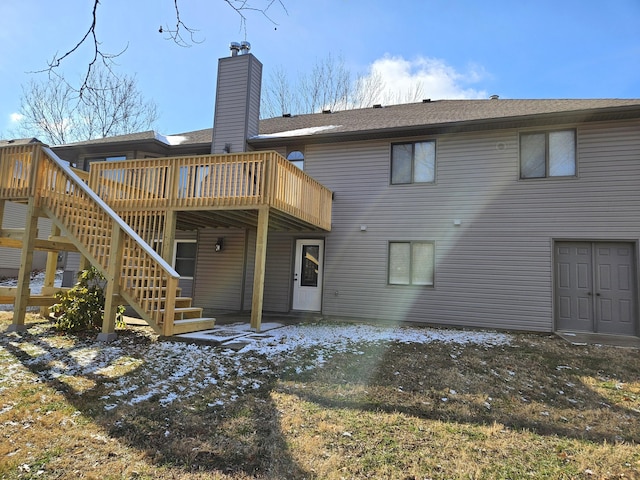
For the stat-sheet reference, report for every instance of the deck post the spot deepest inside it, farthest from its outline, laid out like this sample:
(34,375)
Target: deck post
(259,270)
(26,263)
(50,269)
(112,291)
(169,235)
(2,204)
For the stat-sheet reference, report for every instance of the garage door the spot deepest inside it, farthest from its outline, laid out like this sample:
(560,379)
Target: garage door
(595,285)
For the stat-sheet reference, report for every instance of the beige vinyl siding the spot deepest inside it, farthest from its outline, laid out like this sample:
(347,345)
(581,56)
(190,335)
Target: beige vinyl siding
(14,217)
(218,282)
(495,269)
(237,102)
(249,269)
(277,282)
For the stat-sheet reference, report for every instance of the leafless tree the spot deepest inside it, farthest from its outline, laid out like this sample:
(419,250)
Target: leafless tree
(56,113)
(329,86)
(181,33)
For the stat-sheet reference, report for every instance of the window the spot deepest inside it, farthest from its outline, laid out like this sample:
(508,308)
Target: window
(548,154)
(90,160)
(185,258)
(413,162)
(411,263)
(297,158)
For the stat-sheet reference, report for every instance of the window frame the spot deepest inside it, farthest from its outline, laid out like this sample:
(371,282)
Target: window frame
(411,243)
(413,162)
(547,153)
(175,257)
(298,162)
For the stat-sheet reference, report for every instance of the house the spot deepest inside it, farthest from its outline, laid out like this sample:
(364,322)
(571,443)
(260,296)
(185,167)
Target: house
(497,213)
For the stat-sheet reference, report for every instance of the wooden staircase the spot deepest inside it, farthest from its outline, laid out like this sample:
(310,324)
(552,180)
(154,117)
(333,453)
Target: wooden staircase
(135,273)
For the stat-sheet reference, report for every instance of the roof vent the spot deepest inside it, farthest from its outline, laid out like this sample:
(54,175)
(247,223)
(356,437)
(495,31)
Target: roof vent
(426,100)
(286,115)
(494,97)
(245,47)
(235,48)
(328,110)
(377,105)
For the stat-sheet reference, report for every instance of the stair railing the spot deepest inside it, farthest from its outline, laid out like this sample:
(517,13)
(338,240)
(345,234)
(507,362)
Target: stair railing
(145,281)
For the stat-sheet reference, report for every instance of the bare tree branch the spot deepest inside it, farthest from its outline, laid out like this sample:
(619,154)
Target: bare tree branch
(111,105)
(176,34)
(182,34)
(98,54)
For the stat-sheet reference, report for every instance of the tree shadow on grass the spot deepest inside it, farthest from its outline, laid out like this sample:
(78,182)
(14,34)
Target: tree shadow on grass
(526,389)
(209,431)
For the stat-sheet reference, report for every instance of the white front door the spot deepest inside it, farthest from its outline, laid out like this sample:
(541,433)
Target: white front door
(307,275)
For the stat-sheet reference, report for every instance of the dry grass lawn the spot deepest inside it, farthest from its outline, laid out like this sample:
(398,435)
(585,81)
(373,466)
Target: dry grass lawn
(534,408)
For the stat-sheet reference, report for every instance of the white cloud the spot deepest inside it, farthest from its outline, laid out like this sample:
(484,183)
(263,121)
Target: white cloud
(16,117)
(412,80)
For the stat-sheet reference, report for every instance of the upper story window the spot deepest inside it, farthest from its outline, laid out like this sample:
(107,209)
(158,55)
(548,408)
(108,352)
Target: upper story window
(297,158)
(548,154)
(413,162)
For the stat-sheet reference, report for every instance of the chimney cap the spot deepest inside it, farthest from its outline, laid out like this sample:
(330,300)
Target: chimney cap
(245,47)
(235,48)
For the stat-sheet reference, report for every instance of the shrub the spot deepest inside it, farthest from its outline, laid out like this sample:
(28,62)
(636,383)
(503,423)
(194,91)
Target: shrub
(81,308)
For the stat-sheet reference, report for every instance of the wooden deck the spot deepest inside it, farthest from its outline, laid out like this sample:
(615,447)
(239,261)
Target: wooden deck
(113,216)
(221,188)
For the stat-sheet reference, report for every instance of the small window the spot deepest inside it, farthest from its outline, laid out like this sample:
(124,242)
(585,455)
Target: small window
(548,154)
(413,162)
(185,258)
(411,263)
(297,158)
(89,161)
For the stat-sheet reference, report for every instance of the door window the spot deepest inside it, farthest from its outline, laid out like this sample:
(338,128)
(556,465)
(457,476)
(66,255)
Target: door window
(309,267)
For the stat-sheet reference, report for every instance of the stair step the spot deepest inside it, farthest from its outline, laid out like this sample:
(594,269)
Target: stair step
(180,302)
(184,313)
(193,325)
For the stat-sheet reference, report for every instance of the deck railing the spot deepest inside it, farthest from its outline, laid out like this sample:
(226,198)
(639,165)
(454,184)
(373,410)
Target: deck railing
(16,170)
(144,279)
(242,180)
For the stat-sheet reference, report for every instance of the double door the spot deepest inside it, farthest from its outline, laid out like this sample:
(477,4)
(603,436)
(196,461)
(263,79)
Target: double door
(595,287)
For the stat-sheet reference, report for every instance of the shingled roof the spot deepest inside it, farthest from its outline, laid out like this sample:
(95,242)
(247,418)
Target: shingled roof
(439,115)
(410,119)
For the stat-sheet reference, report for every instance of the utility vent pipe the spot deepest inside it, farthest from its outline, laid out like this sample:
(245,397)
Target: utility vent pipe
(235,48)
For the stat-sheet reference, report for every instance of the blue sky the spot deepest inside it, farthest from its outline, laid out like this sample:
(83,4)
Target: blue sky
(454,49)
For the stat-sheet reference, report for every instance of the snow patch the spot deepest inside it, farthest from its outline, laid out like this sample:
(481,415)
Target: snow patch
(171,139)
(300,132)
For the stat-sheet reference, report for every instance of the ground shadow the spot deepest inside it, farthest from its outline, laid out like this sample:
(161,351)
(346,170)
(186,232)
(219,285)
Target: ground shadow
(202,435)
(524,390)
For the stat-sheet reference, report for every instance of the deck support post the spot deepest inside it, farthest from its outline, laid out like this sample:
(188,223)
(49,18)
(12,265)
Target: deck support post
(26,264)
(169,236)
(2,204)
(260,264)
(112,292)
(50,269)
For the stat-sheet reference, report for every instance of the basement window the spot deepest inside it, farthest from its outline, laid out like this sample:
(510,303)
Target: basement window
(548,154)
(411,263)
(185,258)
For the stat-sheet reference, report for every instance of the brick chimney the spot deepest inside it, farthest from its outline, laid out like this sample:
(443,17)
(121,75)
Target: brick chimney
(237,107)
